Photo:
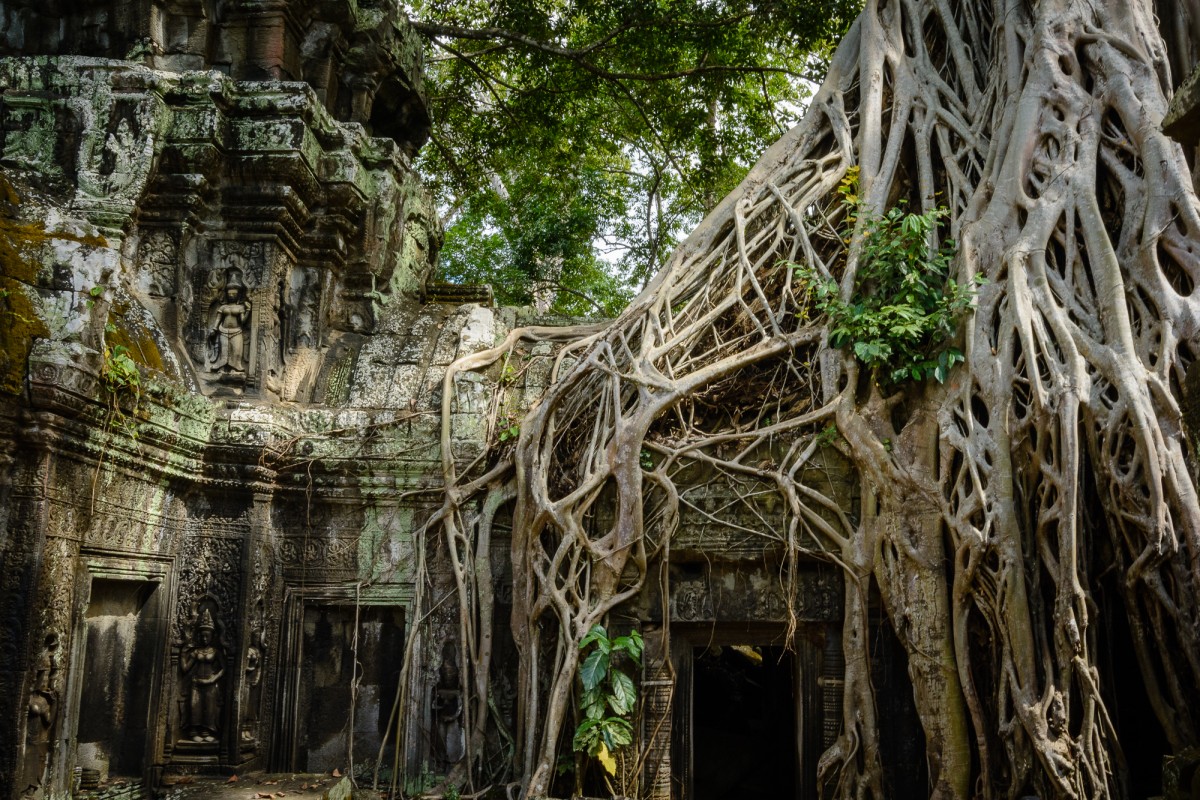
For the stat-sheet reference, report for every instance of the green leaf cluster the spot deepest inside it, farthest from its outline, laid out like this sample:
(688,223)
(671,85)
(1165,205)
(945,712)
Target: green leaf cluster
(575,141)
(120,373)
(905,305)
(609,695)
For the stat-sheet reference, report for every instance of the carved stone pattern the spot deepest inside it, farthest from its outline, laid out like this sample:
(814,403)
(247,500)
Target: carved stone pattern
(318,553)
(210,563)
(113,525)
(59,557)
(263,624)
(755,596)
(156,256)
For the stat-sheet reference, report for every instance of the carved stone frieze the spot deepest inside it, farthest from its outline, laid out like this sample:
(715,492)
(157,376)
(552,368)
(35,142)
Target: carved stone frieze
(209,568)
(732,593)
(319,554)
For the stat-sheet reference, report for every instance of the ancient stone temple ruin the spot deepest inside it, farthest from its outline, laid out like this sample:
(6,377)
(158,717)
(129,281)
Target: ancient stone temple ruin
(223,383)
(222,379)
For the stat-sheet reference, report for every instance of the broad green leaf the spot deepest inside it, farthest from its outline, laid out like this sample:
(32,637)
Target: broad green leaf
(624,695)
(596,634)
(593,670)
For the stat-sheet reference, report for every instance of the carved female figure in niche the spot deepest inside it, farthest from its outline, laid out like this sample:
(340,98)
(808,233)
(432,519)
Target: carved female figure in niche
(447,705)
(203,663)
(306,316)
(42,707)
(252,683)
(227,326)
(117,161)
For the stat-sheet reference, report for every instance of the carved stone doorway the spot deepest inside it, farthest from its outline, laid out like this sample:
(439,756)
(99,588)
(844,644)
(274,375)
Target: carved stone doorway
(339,682)
(122,643)
(748,712)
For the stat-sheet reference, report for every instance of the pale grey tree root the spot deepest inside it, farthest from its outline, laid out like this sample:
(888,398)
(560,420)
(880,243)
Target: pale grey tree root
(985,497)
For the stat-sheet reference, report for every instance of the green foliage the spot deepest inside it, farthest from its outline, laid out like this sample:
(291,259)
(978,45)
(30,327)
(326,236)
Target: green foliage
(609,695)
(121,378)
(510,427)
(905,305)
(575,142)
(827,436)
(119,372)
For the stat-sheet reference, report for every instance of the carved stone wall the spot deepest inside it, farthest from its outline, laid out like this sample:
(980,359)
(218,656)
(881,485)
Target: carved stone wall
(361,60)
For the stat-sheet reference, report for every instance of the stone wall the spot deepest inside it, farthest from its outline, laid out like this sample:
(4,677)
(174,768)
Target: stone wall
(205,197)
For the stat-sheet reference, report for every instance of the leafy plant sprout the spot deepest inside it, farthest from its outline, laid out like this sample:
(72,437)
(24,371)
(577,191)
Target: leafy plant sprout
(905,306)
(609,696)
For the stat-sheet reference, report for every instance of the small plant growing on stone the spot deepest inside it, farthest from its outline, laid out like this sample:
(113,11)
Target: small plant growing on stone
(609,696)
(120,376)
(510,431)
(905,305)
(508,373)
(94,294)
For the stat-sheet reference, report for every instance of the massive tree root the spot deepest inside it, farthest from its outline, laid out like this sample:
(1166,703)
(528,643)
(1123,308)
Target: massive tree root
(986,498)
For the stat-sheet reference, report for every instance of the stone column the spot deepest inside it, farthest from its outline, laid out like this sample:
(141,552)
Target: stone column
(658,688)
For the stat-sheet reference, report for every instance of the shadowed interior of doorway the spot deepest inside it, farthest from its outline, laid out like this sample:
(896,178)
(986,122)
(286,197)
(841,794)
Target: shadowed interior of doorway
(744,722)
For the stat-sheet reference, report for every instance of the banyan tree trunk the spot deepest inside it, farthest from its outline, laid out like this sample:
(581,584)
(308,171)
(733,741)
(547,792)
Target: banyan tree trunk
(989,499)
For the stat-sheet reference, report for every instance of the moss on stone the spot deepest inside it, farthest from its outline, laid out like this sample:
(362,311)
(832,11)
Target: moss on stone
(19,325)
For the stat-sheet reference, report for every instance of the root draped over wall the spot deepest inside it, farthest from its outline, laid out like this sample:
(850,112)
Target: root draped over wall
(986,498)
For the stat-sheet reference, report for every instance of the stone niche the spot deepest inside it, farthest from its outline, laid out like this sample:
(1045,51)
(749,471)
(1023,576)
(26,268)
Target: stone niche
(249,313)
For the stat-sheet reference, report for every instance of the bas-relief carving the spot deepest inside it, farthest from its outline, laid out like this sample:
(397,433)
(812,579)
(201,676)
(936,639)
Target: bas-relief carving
(42,712)
(117,157)
(209,566)
(262,622)
(228,320)
(319,553)
(252,316)
(307,310)
(209,579)
(28,135)
(202,663)
(252,677)
(733,593)
(156,256)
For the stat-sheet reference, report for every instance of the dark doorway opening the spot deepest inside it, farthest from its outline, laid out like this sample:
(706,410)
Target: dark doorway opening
(326,674)
(744,741)
(122,640)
